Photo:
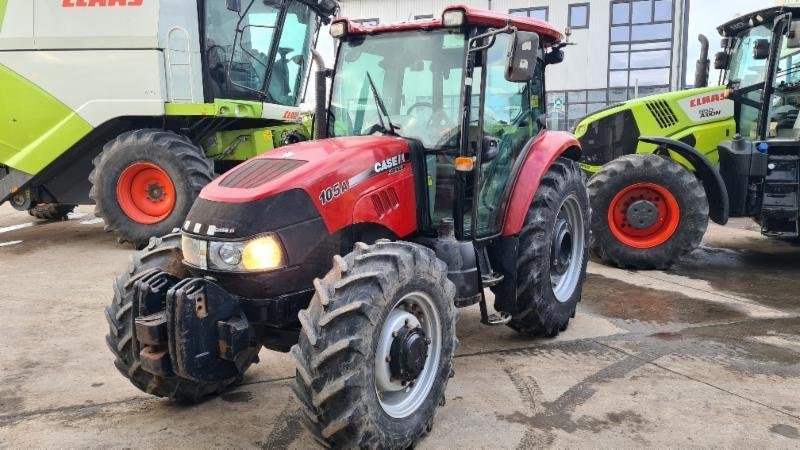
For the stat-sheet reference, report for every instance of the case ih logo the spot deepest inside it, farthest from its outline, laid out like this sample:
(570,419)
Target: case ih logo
(95,3)
(700,101)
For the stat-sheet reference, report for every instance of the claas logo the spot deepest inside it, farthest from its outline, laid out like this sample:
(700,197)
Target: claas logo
(95,3)
(700,101)
(291,115)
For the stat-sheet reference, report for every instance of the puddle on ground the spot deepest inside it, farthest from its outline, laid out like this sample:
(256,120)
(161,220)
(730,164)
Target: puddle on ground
(770,278)
(619,300)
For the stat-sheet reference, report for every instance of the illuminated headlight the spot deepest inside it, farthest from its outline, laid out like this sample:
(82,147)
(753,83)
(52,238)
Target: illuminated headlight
(338,30)
(259,254)
(453,18)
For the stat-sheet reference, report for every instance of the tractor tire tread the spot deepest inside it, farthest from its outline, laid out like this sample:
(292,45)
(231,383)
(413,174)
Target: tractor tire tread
(331,353)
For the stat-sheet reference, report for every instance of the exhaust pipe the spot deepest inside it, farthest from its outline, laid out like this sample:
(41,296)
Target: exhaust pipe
(321,91)
(702,68)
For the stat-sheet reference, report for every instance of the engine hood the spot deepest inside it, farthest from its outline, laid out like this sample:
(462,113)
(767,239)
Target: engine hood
(311,166)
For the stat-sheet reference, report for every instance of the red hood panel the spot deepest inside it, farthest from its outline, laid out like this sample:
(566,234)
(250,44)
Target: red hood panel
(327,162)
(336,174)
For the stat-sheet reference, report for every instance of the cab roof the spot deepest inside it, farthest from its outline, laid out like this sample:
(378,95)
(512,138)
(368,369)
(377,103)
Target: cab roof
(749,20)
(474,16)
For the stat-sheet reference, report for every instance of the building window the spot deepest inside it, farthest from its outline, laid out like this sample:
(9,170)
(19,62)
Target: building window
(640,54)
(367,22)
(536,13)
(579,16)
(424,17)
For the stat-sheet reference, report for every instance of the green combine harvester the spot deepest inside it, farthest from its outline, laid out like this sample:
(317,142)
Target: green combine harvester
(663,165)
(136,105)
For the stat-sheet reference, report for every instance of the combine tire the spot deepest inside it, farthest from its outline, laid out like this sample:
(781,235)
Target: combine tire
(649,211)
(553,252)
(165,254)
(376,347)
(51,211)
(145,181)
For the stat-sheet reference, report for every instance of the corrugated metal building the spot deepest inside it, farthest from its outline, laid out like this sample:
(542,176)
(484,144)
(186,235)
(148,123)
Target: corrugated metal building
(623,48)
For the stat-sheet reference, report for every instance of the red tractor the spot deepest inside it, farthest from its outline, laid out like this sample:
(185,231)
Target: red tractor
(437,180)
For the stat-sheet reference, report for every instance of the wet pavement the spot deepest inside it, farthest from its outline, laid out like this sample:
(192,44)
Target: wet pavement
(706,354)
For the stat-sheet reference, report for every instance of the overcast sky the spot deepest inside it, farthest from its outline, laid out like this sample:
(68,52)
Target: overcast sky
(705,16)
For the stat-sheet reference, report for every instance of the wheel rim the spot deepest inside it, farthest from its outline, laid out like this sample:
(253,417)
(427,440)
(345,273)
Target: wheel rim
(412,318)
(567,249)
(644,215)
(145,193)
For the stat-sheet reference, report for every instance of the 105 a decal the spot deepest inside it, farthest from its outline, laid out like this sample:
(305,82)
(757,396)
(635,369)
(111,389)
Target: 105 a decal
(333,192)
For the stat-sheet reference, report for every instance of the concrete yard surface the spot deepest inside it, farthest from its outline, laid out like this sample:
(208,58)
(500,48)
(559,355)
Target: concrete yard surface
(706,354)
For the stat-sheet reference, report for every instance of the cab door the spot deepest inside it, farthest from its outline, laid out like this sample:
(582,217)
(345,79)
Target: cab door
(509,113)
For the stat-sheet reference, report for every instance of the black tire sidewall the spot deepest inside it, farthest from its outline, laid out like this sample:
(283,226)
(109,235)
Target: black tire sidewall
(121,156)
(606,244)
(564,310)
(397,429)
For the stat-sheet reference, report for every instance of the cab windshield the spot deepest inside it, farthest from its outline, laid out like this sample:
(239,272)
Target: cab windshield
(250,65)
(405,83)
(744,69)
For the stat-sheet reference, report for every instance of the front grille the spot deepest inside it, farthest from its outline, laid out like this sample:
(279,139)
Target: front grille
(662,112)
(256,172)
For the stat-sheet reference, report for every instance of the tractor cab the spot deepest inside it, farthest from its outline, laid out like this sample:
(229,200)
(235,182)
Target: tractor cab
(255,50)
(761,68)
(466,95)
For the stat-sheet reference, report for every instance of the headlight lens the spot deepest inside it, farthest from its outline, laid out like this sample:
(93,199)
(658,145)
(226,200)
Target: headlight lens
(195,252)
(338,30)
(262,253)
(230,254)
(454,18)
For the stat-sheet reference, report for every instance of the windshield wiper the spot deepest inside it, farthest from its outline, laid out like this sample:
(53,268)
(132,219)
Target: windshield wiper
(381,108)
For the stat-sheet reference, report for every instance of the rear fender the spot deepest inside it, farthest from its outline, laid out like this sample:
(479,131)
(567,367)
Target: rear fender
(717,193)
(535,161)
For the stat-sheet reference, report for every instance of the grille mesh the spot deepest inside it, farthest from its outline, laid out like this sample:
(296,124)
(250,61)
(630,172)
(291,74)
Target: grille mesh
(663,113)
(256,172)
(385,201)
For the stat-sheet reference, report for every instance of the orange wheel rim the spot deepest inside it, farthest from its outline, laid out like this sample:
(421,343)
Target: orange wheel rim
(644,215)
(145,193)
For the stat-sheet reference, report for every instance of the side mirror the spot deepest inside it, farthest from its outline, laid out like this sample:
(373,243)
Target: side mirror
(761,49)
(555,56)
(793,37)
(490,148)
(234,5)
(725,43)
(523,49)
(721,61)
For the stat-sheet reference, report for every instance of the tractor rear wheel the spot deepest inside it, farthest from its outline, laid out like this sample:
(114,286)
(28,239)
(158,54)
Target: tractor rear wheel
(649,211)
(164,254)
(553,252)
(376,347)
(51,211)
(144,182)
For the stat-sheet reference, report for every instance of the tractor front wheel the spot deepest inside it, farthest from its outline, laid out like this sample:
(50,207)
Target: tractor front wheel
(553,252)
(648,212)
(376,347)
(144,182)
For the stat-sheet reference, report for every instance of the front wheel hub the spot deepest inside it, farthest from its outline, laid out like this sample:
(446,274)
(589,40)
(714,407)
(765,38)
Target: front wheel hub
(642,214)
(561,253)
(408,353)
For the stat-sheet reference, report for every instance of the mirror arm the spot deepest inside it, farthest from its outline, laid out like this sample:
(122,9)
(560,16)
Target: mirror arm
(508,29)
